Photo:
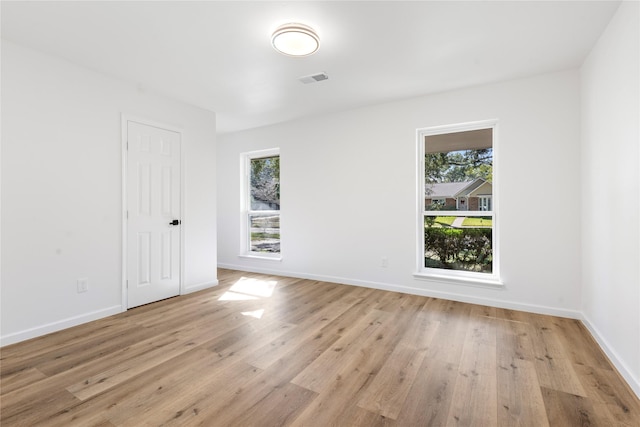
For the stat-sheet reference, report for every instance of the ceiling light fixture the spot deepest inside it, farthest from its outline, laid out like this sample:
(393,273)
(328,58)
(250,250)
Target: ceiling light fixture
(295,40)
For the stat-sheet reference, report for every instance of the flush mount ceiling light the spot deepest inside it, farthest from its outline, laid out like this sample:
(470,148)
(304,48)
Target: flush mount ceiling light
(295,40)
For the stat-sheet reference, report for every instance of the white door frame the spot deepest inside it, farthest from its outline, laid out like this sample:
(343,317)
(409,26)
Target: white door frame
(125,119)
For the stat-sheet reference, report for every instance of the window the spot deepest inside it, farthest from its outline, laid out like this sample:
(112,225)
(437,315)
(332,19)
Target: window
(456,198)
(261,204)
(437,203)
(484,203)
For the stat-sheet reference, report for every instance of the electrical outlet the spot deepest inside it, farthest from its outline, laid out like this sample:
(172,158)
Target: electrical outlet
(384,263)
(83,285)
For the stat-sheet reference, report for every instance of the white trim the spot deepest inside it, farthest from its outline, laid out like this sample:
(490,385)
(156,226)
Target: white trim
(258,154)
(460,278)
(199,286)
(184,220)
(123,262)
(262,257)
(459,213)
(460,127)
(59,325)
(124,119)
(620,365)
(491,279)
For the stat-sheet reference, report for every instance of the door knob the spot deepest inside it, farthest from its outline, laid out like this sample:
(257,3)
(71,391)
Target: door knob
(175,222)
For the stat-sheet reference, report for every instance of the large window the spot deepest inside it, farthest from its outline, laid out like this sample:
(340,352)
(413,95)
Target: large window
(456,194)
(261,204)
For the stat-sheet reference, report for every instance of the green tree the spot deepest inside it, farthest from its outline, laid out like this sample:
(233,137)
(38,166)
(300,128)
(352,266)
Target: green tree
(435,165)
(459,166)
(265,180)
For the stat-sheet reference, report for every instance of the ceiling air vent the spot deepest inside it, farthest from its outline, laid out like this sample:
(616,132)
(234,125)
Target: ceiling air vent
(314,78)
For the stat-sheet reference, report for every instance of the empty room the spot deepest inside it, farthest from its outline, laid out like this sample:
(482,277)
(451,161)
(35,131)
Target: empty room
(320,213)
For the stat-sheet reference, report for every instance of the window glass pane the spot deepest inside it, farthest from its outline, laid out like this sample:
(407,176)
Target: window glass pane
(265,233)
(459,243)
(459,171)
(265,184)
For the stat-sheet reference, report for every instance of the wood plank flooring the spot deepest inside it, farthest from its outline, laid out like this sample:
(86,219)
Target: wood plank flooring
(263,350)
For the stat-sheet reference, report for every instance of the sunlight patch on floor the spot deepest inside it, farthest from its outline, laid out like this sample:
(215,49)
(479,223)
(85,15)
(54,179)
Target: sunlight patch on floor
(255,287)
(247,289)
(255,313)
(234,296)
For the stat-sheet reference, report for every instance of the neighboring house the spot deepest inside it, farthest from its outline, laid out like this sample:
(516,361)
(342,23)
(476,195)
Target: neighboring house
(464,196)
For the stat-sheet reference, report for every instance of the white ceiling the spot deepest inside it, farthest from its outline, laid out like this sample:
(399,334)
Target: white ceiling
(218,56)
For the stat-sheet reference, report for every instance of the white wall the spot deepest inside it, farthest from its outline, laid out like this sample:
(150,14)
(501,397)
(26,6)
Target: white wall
(61,191)
(611,190)
(348,192)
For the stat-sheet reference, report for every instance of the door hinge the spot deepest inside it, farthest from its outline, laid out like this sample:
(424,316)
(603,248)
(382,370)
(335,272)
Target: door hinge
(127,283)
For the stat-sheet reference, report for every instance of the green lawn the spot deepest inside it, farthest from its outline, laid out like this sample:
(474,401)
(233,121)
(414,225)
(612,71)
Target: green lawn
(260,235)
(445,220)
(477,222)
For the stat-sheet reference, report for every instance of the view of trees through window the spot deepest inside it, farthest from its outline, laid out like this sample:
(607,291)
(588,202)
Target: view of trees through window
(264,212)
(457,166)
(458,205)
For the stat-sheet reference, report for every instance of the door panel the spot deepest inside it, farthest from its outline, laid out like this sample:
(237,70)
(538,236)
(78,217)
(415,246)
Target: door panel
(153,201)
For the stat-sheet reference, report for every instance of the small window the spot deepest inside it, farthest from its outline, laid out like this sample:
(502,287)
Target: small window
(484,203)
(436,204)
(261,204)
(456,191)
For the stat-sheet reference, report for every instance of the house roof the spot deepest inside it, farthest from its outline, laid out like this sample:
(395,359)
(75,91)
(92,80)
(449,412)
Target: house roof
(452,189)
(217,55)
(445,189)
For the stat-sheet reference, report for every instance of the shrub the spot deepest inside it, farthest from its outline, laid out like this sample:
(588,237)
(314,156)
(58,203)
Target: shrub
(458,248)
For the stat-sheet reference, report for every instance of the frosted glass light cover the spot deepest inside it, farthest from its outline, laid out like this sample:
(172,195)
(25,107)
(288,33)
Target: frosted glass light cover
(295,40)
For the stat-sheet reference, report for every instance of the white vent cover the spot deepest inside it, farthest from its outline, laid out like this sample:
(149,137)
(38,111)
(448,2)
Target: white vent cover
(314,78)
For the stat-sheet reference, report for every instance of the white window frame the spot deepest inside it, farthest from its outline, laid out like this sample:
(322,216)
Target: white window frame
(456,276)
(245,205)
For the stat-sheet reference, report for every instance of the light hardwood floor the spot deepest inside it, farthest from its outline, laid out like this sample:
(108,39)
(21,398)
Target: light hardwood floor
(269,351)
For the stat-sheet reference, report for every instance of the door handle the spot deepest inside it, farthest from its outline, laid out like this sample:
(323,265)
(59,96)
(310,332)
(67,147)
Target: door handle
(175,222)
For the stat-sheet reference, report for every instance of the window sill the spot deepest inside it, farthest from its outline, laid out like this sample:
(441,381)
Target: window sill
(262,257)
(492,282)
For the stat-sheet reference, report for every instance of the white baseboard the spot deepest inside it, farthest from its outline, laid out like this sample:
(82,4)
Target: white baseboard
(492,302)
(59,325)
(620,365)
(80,319)
(198,287)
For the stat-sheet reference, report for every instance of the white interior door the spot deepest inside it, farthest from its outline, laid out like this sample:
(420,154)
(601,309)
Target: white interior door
(153,214)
